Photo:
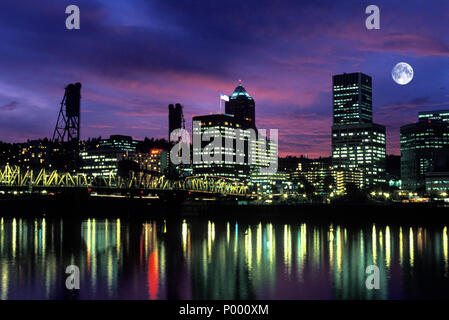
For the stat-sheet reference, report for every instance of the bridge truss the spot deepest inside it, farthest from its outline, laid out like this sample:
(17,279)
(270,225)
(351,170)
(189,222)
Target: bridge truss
(14,176)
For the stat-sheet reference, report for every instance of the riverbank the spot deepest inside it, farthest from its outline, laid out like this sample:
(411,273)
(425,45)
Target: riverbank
(142,208)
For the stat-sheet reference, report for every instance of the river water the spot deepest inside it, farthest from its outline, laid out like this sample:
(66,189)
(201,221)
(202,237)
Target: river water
(219,259)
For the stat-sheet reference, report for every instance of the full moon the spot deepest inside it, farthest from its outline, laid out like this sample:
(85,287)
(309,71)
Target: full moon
(402,73)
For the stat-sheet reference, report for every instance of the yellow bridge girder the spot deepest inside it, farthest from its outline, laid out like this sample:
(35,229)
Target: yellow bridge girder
(16,176)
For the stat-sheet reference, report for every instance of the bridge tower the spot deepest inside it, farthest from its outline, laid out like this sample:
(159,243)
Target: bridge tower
(68,124)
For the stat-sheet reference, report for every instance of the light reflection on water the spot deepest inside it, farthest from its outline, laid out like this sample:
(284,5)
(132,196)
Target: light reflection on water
(196,259)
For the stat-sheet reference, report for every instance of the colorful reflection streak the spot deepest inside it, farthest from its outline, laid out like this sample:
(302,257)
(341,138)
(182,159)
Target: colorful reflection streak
(207,259)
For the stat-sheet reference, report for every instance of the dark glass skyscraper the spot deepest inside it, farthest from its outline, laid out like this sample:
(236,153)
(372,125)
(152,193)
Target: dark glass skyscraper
(242,106)
(442,115)
(352,98)
(424,149)
(175,118)
(357,142)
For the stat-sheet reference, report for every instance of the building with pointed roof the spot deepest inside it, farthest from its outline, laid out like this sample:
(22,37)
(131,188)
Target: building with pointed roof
(242,106)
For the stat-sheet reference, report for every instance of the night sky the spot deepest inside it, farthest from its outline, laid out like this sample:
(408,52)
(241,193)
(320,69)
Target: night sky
(135,57)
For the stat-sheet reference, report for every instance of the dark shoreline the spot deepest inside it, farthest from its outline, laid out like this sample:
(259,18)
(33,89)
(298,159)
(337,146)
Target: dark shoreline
(136,209)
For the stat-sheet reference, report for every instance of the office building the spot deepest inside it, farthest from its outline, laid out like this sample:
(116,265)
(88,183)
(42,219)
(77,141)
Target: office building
(217,125)
(104,159)
(154,162)
(101,162)
(357,143)
(324,178)
(315,172)
(270,183)
(175,118)
(242,106)
(352,98)
(119,142)
(265,154)
(360,147)
(437,183)
(342,178)
(442,115)
(259,152)
(424,149)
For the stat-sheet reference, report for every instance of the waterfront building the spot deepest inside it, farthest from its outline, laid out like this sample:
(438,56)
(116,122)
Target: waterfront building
(265,154)
(220,125)
(101,162)
(34,153)
(360,147)
(258,155)
(315,172)
(424,149)
(437,183)
(155,161)
(342,178)
(104,159)
(357,143)
(324,178)
(270,183)
(41,153)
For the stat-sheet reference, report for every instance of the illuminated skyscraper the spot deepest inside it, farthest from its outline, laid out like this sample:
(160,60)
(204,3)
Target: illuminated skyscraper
(217,124)
(357,142)
(352,98)
(259,153)
(242,106)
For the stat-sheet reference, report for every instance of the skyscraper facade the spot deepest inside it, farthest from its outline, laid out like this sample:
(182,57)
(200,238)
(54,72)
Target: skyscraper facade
(424,150)
(442,115)
(259,152)
(352,98)
(218,125)
(175,118)
(357,142)
(242,106)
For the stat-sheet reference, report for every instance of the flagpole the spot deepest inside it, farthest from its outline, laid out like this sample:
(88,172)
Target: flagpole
(223,97)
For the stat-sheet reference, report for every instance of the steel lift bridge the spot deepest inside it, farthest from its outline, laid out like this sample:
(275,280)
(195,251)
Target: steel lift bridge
(14,178)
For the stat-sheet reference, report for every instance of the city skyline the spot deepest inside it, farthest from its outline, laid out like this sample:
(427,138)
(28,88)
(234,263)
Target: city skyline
(151,57)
